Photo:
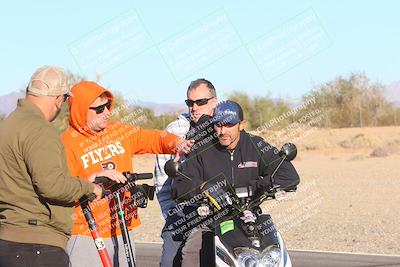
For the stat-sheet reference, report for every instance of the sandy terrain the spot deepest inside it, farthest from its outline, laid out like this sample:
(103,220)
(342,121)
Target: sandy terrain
(347,201)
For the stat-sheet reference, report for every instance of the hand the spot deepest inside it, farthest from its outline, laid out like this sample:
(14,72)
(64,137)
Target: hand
(177,157)
(98,191)
(183,147)
(111,174)
(264,182)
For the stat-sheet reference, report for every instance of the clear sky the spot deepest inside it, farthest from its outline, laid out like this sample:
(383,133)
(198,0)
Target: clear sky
(152,49)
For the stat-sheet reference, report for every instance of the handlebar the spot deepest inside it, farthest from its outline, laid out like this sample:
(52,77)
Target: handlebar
(138,176)
(131,177)
(106,183)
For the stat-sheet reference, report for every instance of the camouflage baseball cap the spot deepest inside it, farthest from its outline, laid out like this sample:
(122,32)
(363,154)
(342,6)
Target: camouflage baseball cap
(49,81)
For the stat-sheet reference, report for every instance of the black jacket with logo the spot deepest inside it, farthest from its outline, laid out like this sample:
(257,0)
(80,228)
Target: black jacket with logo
(250,163)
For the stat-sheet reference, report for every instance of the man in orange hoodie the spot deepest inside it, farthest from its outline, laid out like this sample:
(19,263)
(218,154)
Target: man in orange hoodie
(94,143)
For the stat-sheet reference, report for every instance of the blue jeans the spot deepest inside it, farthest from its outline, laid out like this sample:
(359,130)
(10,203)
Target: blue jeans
(171,240)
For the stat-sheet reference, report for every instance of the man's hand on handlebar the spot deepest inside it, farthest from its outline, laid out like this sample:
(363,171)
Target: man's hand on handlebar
(111,174)
(98,191)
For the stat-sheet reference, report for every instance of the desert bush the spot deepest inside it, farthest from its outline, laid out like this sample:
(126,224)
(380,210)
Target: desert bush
(360,141)
(352,101)
(259,110)
(380,152)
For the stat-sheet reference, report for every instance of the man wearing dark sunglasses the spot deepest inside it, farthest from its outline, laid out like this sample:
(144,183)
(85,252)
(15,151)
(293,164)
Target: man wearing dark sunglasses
(99,112)
(95,143)
(201,101)
(237,158)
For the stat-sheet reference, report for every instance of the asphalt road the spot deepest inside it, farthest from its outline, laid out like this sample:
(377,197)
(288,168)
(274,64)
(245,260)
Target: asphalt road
(148,254)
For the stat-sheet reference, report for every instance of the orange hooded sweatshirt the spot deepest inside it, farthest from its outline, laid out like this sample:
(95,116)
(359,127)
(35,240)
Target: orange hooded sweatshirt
(89,152)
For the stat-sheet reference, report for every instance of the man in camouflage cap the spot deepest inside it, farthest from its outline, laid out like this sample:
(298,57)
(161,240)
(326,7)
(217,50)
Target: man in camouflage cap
(37,193)
(48,89)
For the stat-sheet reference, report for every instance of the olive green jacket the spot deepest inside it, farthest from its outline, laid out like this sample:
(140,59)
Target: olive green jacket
(37,194)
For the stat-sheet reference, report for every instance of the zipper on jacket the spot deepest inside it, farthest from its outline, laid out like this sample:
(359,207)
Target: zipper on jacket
(233,179)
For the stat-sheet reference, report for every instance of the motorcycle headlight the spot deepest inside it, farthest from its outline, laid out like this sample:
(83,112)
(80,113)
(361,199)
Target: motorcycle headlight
(271,257)
(248,257)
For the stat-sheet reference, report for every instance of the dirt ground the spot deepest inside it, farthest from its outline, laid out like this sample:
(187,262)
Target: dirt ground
(348,199)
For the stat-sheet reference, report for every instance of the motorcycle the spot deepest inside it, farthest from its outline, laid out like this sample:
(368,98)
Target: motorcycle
(241,235)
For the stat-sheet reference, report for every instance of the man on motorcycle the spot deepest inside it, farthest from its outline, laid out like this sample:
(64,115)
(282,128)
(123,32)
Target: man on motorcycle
(238,158)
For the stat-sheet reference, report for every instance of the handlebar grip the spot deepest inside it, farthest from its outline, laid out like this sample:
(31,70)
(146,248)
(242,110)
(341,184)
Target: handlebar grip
(101,180)
(138,176)
(130,176)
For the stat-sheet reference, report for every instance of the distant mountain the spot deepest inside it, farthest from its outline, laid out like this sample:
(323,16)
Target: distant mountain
(9,102)
(164,108)
(392,93)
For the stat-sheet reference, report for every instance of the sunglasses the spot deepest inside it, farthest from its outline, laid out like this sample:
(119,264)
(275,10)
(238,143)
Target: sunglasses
(199,102)
(66,96)
(100,109)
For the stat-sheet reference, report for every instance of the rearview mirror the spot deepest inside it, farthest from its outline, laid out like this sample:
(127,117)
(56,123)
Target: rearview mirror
(288,151)
(171,168)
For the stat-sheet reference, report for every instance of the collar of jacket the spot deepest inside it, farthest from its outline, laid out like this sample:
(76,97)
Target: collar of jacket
(28,106)
(243,141)
(184,116)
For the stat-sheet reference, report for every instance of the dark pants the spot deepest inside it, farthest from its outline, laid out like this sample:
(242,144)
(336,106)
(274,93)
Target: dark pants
(170,256)
(23,254)
(171,241)
(198,249)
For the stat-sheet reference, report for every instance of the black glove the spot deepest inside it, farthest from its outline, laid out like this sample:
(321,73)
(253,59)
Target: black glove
(261,185)
(204,122)
(264,182)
